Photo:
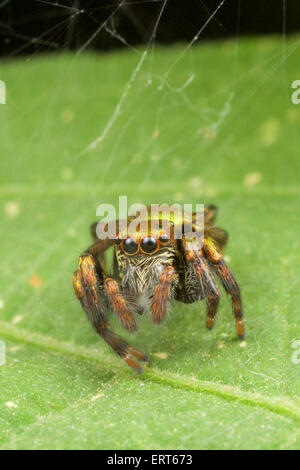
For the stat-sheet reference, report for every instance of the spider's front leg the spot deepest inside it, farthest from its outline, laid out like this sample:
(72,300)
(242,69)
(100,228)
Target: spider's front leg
(229,283)
(91,287)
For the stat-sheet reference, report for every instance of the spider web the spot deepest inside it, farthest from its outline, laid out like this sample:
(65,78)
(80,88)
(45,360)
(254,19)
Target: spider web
(146,81)
(149,82)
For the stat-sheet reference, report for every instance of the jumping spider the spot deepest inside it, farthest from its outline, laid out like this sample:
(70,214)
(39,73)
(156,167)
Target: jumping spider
(150,270)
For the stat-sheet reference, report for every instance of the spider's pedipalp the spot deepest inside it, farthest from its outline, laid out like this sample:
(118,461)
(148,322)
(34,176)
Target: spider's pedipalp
(161,294)
(119,304)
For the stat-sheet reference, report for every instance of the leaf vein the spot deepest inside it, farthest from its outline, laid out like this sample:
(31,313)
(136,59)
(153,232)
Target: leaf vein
(282,406)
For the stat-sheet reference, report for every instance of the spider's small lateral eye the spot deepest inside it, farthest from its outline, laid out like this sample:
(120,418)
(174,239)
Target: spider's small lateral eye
(149,244)
(117,240)
(164,238)
(130,246)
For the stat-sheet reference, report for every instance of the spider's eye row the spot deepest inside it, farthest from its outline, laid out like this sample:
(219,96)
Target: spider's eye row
(149,244)
(164,238)
(130,246)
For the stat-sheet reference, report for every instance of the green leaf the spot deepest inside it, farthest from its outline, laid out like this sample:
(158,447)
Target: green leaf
(213,125)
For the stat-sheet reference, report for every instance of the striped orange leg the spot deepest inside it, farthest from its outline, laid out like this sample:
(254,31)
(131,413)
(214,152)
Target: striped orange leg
(228,281)
(161,295)
(99,248)
(119,304)
(86,282)
(208,286)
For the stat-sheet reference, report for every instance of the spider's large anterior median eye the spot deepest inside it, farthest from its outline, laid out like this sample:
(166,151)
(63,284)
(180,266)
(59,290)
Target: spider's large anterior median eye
(130,246)
(149,244)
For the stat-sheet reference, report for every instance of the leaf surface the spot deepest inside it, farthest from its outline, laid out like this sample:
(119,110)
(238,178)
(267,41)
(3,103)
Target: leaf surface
(231,138)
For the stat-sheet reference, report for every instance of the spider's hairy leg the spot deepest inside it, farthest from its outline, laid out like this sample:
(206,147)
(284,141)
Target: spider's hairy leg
(161,294)
(93,230)
(87,281)
(210,214)
(99,248)
(119,304)
(219,236)
(229,283)
(208,286)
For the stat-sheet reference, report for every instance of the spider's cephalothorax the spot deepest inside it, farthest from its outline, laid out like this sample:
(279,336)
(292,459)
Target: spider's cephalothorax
(150,269)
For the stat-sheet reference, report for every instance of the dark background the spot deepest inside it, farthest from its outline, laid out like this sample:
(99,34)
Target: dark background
(30,26)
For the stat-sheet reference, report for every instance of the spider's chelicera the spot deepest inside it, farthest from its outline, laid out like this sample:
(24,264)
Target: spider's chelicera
(150,269)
